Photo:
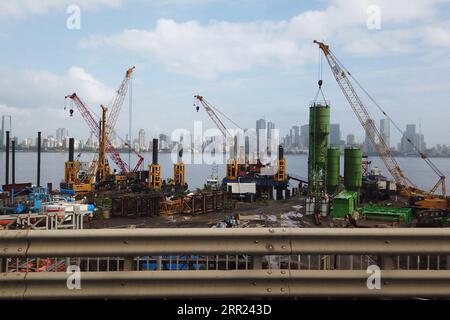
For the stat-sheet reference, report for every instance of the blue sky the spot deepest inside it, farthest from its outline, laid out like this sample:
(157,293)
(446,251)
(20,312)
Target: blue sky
(250,58)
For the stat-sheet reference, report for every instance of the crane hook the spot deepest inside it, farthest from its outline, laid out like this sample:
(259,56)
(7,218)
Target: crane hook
(320,82)
(71,112)
(197,108)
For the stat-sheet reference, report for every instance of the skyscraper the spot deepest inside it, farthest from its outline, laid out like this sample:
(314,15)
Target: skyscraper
(61,135)
(335,135)
(295,137)
(304,136)
(4,128)
(141,138)
(368,146)
(270,134)
(385,131)
(350,139)
(411,140)
(260,135)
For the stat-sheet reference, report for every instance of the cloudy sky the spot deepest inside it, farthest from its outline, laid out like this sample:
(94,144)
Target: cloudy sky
(250,58)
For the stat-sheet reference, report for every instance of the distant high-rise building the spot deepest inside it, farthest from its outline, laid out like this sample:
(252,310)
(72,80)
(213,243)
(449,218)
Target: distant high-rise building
(295,137)
(351,139)
(61,135)
(335,135)
(304,136)
(368,146)
(141,138)
(5,128)
(164,142)
(261,134)
(412,140)
(270,134)
(385,131)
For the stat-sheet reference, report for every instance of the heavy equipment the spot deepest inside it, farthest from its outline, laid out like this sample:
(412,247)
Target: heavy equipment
(232,162)
(425,201)
(104,132)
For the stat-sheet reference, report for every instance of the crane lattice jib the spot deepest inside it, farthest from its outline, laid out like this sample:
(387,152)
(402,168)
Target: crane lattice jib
(219,124)
(364,118)
(93,124)
(118,102)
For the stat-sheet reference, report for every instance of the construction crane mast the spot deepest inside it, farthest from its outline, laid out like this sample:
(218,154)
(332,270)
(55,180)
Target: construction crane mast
(405,185)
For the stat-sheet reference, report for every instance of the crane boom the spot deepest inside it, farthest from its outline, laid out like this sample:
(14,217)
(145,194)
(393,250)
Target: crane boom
(404,183)
(365,119)
(118,102)
(92,122)
(219,124)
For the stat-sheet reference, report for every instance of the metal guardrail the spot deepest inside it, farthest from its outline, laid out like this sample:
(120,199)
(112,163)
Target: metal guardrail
(257,241)
(210,270)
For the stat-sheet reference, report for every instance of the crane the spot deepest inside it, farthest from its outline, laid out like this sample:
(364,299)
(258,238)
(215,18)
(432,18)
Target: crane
(93,123)
(419,198)
(232,163)
(111,123)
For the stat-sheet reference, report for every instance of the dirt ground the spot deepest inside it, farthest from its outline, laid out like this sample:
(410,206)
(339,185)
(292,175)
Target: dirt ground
(258,214)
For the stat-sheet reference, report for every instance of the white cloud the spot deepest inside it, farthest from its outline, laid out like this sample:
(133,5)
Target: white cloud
(438,35)
(36,89)
(207,50)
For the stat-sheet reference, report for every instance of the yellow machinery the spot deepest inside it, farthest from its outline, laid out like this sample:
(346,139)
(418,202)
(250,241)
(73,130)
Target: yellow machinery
(280,175)
(232,168)
(179,174)
(72,180)
(154,179)
(419,199)
(154,170)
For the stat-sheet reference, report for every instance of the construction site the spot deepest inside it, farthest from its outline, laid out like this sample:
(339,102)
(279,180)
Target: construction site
(107,194)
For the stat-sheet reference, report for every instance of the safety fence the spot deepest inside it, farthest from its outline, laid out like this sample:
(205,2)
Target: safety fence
(248,262)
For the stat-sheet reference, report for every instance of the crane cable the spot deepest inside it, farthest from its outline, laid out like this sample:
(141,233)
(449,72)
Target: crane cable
(422,155)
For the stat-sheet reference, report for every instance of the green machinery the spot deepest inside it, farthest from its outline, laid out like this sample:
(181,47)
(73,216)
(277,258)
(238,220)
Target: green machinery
(319,130)
(333,166)
(344,203)
(401,215)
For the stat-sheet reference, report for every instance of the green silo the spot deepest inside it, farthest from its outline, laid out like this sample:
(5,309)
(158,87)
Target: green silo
(352,169)
(333,165)
(319,130)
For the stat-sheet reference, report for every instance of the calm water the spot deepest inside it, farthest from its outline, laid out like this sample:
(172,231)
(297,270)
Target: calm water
(53,168)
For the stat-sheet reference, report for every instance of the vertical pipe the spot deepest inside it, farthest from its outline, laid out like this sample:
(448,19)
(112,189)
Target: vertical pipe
(280,152)
(155,151)
(38,182)
(13,162)
(7,158)
(71,149)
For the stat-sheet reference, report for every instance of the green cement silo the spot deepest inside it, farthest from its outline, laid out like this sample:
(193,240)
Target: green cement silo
(352,169)
(333,165)
(319,130)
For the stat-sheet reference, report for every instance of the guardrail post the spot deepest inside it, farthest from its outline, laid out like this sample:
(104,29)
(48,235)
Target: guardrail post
(387,263)
(257,262)
(448,262)
(159,263)
(128,264)
(3,265)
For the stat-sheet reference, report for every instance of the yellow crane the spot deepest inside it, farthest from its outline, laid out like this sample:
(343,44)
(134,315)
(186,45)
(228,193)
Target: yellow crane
(419,199)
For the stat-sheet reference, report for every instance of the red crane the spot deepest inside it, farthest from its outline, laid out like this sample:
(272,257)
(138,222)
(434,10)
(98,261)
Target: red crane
(93,123)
